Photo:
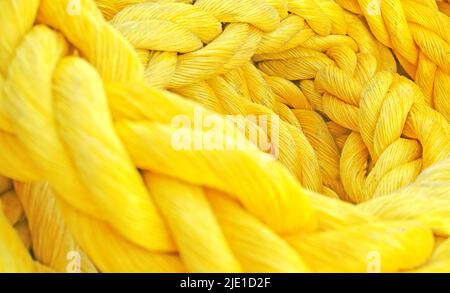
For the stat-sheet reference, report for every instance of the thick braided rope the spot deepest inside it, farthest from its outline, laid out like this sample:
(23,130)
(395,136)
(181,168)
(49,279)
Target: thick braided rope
(290,32)
(357,56)
(264,208)
(337,89)
(388,64)
(355,52)
(181,21)
(13,211)
(339,215)
(52,241)
(96,214)
(418,32)
(395,129)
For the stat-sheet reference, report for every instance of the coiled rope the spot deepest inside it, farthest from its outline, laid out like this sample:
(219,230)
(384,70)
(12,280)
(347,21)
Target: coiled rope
(418,32)
(86,113)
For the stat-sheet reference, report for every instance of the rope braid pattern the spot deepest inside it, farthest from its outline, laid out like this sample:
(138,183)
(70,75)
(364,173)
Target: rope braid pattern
(418,33)
(302,147)
(215,74)
(349,54)
(337,91)
(95,124)
(396,121)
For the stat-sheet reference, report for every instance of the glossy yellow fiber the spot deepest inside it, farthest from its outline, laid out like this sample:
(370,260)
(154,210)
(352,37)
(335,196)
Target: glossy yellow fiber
(356,177)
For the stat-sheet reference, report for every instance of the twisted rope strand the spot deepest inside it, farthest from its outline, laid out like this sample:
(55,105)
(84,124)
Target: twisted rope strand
(87,102)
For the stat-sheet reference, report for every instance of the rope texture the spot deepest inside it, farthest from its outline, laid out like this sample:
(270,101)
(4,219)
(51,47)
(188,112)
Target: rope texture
(417,32)
(86,107)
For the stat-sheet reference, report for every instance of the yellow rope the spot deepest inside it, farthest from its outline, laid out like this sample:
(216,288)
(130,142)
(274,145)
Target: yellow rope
(444,6)
(89,91)
(50,238)
(418,32)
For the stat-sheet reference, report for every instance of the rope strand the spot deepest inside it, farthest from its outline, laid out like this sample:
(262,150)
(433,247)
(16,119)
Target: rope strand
(357,167)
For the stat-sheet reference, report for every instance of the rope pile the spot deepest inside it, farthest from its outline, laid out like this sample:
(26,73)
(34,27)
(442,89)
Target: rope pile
(356,177)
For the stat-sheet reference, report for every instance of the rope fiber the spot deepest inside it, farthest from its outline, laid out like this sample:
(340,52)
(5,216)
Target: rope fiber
(351,173)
